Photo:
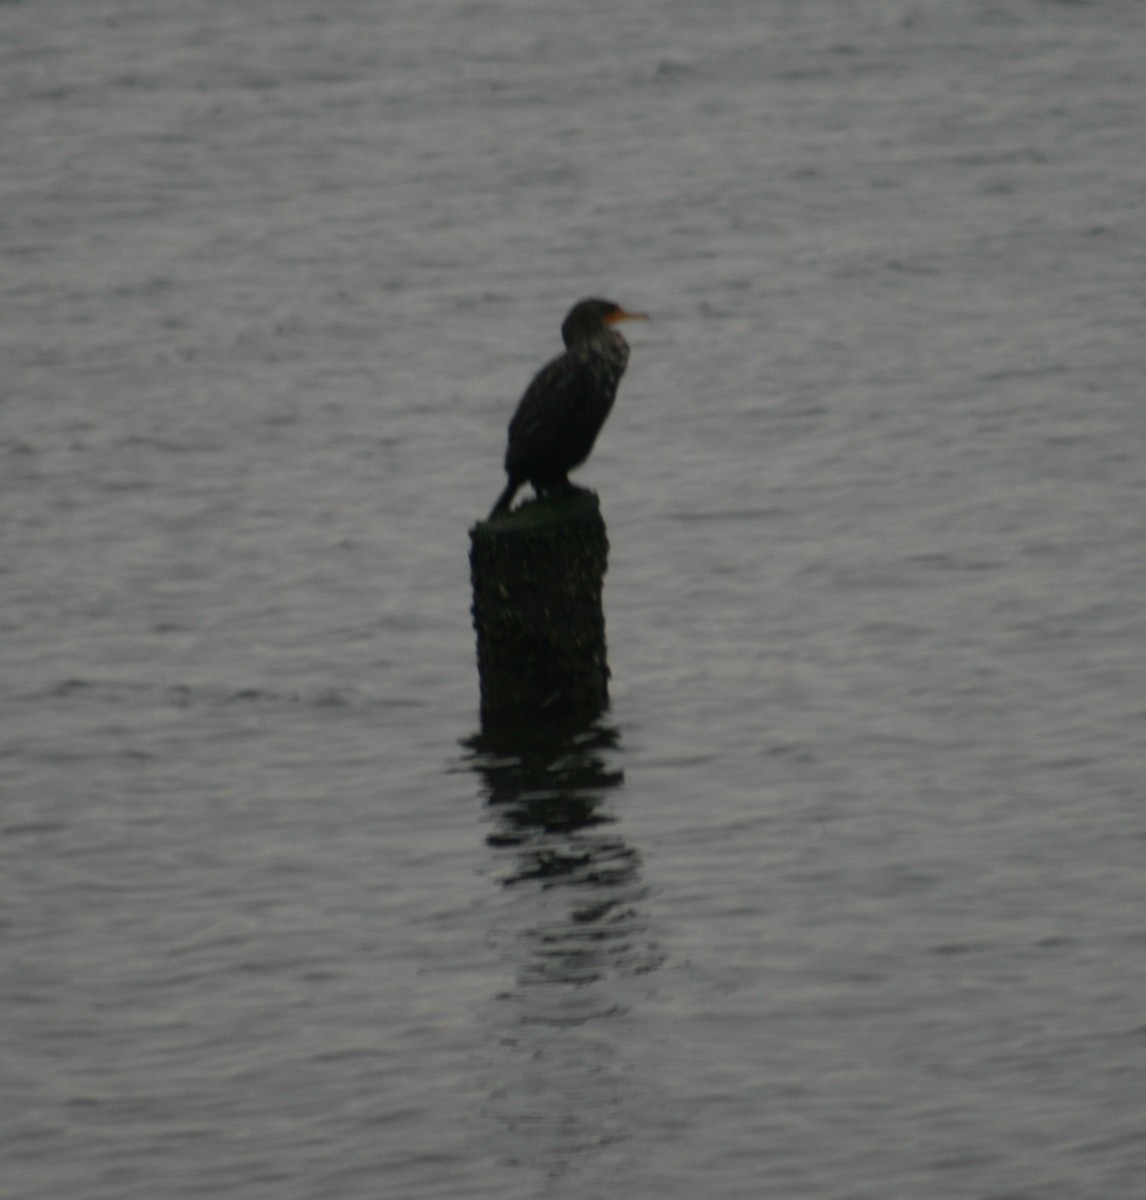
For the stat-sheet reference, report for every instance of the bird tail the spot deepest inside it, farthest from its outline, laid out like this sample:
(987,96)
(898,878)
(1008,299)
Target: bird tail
(505,499)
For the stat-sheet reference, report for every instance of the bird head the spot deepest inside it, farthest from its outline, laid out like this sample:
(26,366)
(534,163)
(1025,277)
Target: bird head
(590,317)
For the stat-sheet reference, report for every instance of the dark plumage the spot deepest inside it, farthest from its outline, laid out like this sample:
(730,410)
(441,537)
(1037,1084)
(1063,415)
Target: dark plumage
(563,409)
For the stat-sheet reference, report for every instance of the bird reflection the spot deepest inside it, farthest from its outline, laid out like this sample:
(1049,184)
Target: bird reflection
(575,939)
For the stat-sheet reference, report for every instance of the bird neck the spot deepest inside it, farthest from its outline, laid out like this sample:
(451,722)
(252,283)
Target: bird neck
(607,344)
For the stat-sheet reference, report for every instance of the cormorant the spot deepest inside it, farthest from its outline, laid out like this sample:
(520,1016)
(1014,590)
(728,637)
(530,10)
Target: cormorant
(563,409)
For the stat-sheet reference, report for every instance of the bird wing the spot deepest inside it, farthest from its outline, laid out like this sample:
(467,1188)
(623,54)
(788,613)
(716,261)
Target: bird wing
(549,407)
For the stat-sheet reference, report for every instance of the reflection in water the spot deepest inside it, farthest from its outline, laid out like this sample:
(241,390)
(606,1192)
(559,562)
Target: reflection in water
(576,936)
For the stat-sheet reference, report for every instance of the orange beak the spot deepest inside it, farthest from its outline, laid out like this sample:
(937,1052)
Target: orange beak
(615,318)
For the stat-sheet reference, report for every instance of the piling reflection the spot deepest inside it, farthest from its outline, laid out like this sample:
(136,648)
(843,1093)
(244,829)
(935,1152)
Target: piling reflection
(545,786)
(574,931)
(546,789)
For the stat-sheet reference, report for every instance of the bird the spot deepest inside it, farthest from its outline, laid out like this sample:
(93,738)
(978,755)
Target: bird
(562,411)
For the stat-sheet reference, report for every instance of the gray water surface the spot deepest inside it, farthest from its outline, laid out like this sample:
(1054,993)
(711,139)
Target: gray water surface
(844,897)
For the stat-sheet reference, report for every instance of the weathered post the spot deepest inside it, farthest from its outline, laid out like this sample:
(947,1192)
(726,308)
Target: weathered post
(538,574)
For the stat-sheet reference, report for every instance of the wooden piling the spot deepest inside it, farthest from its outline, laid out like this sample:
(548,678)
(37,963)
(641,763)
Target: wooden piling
(538,575)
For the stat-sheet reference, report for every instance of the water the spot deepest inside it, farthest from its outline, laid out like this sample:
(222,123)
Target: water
(843,897)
